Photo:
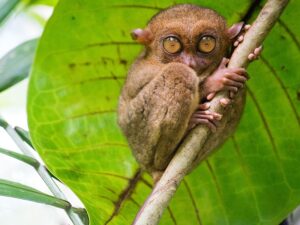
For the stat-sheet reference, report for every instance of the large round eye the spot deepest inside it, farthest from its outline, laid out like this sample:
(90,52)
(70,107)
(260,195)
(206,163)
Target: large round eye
(207,44)
(172,44)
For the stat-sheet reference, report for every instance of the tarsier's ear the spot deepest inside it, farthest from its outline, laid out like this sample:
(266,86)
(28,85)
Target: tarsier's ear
(235,29)
(142,36)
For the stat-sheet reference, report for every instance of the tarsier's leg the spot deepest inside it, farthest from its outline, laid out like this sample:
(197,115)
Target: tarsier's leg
(179,99)
(156,119)
(174,98)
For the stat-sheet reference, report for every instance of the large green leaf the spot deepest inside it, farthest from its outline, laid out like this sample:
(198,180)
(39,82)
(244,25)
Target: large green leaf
(42,2)
(80,66)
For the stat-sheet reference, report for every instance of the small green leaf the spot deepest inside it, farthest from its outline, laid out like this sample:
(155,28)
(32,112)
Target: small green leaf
(3,123)
(26,159)
(24,135)
(82,213)
(16,64)
(6,6)
(20,191)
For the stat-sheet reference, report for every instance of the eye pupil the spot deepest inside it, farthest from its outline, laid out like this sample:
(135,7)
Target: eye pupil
(172,45)
(207,44)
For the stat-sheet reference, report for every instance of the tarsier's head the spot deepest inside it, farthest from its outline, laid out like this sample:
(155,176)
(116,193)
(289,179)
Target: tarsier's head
(189,34)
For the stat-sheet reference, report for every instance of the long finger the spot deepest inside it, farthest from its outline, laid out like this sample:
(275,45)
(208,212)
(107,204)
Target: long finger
(212,116)
(229,82)
(236,77)
(240,71)
(211,125)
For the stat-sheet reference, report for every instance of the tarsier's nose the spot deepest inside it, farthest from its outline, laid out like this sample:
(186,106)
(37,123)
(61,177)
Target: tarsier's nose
(189,61)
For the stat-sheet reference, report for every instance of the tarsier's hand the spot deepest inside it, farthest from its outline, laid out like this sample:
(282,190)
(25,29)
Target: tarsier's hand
(255,54)
(224,79)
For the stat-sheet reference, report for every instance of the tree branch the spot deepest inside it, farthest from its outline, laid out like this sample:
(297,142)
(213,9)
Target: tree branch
(164,190)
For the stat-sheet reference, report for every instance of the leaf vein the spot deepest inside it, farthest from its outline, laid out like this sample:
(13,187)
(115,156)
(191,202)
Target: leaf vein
(196,210)
(218,188)
(246,173)
(269,133)
(266,62)
(125,194)
(290,32)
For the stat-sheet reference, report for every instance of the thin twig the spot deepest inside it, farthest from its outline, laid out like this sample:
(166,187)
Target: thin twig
(164,190)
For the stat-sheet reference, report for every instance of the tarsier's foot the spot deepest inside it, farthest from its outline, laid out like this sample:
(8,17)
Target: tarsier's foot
(225,79)
(203,116)
(255,54)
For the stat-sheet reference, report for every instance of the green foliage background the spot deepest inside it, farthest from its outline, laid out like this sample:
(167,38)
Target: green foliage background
(81,63)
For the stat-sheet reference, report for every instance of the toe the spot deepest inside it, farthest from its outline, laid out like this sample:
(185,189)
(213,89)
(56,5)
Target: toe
(225,102)
(204,106)
(247,27)
(211,96)
(231,94)
(237,77)
(195,121)
(234,83)
(217,116)
(241,38)
(251,56)
(258,50)
(211,125)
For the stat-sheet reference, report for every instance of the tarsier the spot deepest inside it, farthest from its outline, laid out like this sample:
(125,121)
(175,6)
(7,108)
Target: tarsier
(169,86)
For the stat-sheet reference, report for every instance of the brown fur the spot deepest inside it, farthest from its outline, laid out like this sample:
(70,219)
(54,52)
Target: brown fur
(161,92)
